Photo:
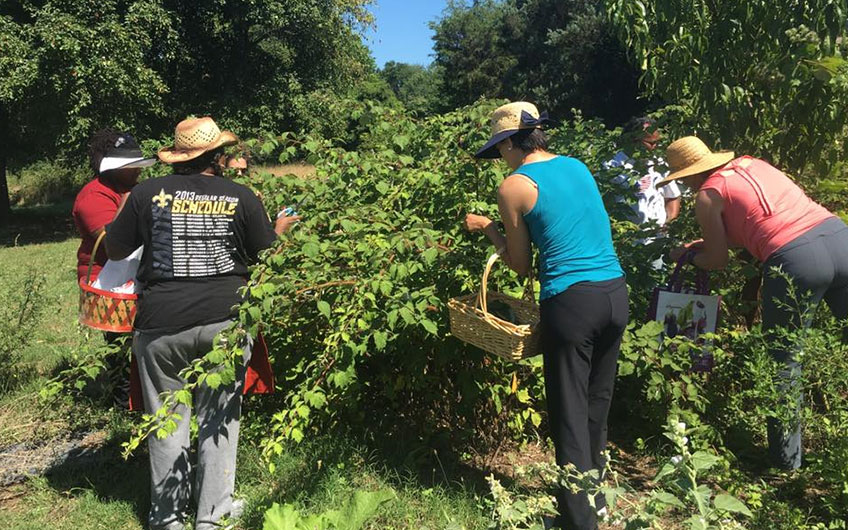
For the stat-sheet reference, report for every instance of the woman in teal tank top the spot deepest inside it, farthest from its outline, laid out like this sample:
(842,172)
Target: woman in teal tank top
(554,202)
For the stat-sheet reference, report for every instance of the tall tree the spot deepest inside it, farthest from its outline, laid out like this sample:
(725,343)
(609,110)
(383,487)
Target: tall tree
(416,86)
(561,54)
(253,62)
(19,75)
(789,103)
(73,66)
(471,44)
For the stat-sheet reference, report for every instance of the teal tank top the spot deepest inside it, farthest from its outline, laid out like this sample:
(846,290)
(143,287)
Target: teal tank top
(569,225)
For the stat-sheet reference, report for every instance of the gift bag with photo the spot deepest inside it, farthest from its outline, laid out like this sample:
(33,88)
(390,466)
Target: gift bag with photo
(687,312)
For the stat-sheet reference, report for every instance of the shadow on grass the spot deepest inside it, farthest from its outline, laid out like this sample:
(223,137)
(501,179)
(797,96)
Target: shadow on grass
(104,472)
(31,225)
(431,468)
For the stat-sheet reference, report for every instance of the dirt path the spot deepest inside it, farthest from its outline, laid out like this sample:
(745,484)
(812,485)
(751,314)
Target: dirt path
(23,460)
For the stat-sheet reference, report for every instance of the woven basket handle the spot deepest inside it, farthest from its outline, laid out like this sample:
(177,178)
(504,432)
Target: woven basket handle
(481,296)
(93,254)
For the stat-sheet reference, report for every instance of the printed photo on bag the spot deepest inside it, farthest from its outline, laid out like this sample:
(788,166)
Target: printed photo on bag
(689,315)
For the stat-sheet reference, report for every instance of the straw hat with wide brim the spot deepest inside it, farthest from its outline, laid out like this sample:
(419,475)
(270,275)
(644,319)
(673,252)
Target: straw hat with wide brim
(508,120)
(689,156)
(193,137)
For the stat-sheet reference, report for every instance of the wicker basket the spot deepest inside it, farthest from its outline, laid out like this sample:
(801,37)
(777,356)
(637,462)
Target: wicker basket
(472,323)
(105,310)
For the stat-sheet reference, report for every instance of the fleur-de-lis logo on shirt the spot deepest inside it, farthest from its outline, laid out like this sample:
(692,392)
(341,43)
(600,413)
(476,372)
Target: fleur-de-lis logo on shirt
(163,198)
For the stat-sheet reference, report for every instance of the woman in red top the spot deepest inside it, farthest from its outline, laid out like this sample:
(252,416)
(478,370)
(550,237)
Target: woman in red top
(116,160)
(745,202)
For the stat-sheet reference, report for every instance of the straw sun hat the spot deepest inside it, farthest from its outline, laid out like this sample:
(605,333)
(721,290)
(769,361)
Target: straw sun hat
(508,120)
(689,156)
(193,137)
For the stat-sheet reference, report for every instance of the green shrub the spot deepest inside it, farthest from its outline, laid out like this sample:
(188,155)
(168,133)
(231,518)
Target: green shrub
(21,307)
(46,181)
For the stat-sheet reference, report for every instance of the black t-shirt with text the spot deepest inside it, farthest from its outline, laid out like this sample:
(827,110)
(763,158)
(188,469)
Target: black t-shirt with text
(199,233)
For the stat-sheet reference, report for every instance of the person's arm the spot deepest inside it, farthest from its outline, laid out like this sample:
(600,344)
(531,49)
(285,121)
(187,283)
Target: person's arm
(672,209)
(260,233)
(96,211)
(714,253)
(671,193)
(513,195)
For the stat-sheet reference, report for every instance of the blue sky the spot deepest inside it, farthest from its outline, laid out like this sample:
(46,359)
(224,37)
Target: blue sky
(402,32)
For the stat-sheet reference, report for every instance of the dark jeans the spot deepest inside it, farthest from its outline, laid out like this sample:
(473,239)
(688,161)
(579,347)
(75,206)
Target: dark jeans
(817,263)
(581,334)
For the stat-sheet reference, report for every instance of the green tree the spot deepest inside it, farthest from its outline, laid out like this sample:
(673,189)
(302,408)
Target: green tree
(570,57)
(559,54)
(19,74)
(73,66)
(256,63)
(471,48)
(788,102)
(416,86)
(70,67)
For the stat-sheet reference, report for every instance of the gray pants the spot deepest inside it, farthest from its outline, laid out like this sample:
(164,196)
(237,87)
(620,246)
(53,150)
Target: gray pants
(161,357)
(817,263)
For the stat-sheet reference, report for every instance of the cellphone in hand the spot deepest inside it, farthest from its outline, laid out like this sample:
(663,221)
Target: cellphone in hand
(288,212)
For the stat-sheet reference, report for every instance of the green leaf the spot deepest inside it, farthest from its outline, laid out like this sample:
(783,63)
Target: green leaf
(666,498)
(430,255)
(363,507)
(380,339)
(702,460)
(430,326)
(665,471)
(729,503)
(316,399)
(324,308)
(407,315)
(281,518)
(401,141)
(311,249)
(213,380)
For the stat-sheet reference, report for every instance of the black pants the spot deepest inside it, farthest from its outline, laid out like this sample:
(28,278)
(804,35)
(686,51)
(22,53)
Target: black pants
(581,334)
(817,264)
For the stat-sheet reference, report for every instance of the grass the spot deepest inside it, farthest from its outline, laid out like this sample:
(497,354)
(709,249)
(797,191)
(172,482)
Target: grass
(101,490)
(301,169)
(110,493)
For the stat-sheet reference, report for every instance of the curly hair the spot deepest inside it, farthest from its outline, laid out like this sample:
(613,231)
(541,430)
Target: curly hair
(100,143)
(636,125)
(200,164)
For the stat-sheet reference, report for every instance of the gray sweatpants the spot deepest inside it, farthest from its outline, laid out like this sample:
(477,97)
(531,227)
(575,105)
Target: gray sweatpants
(817,263)
(161,357)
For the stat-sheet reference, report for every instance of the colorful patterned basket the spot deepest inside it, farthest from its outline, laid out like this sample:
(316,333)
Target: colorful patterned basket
(105,310)
(471,321)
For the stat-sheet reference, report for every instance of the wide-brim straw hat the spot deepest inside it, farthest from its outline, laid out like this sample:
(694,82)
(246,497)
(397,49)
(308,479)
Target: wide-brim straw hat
(508,120)
(193,137)
(689,156)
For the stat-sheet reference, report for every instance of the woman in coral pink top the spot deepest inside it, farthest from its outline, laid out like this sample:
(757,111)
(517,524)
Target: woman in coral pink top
(745,202)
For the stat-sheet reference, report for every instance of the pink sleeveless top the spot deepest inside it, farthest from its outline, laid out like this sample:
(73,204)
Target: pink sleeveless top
(763,208)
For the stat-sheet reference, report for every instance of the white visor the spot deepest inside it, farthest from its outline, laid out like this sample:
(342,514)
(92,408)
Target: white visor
(110,162)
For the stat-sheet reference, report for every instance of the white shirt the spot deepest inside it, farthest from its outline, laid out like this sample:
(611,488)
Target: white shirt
(650,201)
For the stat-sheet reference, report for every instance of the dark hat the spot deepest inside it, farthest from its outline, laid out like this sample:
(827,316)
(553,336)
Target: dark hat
(125,153)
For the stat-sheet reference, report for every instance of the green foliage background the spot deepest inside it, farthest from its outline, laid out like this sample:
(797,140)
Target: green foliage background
(353,301)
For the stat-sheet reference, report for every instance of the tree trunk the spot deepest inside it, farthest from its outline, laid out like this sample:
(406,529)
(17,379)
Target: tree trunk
(5,206)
